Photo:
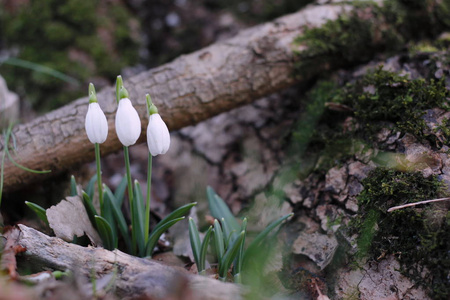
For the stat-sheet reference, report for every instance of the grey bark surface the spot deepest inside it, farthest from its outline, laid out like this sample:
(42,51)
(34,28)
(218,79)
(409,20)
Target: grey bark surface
(136,277)
(257,62)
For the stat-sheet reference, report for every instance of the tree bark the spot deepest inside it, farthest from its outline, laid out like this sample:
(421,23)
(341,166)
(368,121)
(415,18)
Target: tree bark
(136,277)
(255,63)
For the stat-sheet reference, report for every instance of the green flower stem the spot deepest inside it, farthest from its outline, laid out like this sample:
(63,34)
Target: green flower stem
(119,85)
(238,278)
(130,194)
(149,192)
(99,176)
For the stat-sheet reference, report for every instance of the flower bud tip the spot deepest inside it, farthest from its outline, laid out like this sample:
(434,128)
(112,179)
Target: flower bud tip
(92,94)
(151,108)
(123,93)
(119,85)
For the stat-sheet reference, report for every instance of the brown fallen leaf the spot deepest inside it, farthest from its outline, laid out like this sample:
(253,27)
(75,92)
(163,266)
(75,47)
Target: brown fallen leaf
(8,259)
(69,218)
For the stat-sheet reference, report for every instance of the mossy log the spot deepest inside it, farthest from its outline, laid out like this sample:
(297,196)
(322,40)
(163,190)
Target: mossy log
(255,63)
(135,277)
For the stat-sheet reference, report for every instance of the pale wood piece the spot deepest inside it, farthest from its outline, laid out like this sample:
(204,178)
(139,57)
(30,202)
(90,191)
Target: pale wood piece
(136,277)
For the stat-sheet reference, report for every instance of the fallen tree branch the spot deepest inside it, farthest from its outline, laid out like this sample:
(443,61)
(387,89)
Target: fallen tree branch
(136,277)
(255,63)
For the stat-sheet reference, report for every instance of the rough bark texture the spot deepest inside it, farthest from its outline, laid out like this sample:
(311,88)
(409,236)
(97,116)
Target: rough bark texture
(136,277)
(194,87)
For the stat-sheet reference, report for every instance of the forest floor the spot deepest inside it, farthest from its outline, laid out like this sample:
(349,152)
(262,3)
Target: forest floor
(322,151)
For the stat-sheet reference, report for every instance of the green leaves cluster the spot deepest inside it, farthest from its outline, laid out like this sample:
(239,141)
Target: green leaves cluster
(111,223)
(228,239)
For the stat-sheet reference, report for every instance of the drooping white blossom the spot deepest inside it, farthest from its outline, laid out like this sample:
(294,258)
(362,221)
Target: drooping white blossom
(158,137)
(95,124)
(128,124)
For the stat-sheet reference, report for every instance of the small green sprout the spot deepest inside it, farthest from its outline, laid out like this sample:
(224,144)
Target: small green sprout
(228,239)
(199,249)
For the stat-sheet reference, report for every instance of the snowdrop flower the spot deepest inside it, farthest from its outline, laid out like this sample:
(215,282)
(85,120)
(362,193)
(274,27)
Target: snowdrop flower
(158,137)
(128,124)
(95,123)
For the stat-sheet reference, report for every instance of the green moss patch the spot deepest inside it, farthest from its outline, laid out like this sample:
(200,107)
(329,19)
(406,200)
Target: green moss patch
(418,237)
(347,41)
(81,39)
(356,37)
(383,96)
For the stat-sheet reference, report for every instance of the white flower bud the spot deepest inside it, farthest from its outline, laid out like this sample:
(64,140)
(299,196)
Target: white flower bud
(96,124)
(158,137)
(128,124)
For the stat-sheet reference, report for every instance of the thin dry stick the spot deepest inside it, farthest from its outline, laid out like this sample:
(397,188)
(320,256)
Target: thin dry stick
(416,203)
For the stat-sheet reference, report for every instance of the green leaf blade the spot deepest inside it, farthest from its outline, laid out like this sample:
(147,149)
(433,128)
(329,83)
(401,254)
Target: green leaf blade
(118,216)
(155,235)
(39,210)
(73,186)
(218,240)
(90,187)
(230,256)
(263,234)
(90,209)
(178,213)
(108,215)
(104,229)
(120,191)
(194,237)
(204,249)
(220,210)
(240,257)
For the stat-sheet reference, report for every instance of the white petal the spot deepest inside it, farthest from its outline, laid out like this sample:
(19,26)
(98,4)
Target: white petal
(158,136)
(95,124)
(128,124)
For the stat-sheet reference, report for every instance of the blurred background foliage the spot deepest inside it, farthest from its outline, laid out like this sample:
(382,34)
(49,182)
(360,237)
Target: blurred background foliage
(93,41)
(82,39)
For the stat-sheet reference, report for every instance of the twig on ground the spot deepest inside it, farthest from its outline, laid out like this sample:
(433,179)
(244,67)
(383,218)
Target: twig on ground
(417,203)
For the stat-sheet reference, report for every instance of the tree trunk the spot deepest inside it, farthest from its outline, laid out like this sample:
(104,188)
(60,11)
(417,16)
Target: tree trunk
(192,88)
(135,278)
